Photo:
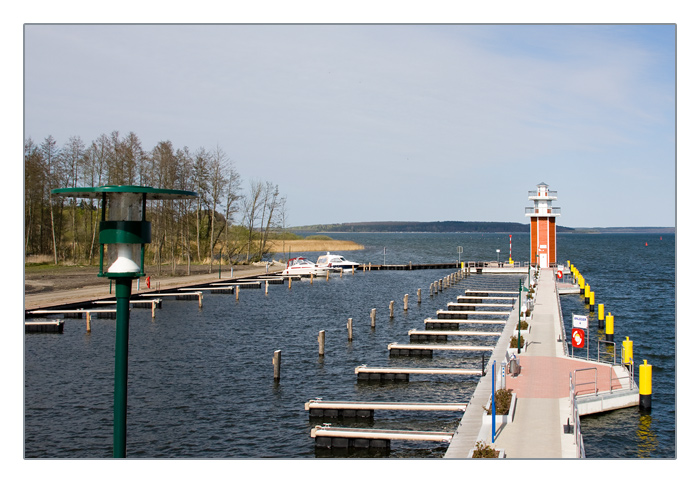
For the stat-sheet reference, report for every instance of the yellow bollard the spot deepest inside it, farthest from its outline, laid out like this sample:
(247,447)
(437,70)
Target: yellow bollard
(601,315)
(627,351)
(645,385)
(591,301)
(587,293)
(609,327)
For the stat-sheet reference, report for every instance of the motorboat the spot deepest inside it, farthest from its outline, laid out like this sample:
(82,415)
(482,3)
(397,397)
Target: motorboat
(335,262)
(303,266)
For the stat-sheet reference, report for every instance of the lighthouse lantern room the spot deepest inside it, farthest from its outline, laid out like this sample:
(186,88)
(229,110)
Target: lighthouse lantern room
(543,231)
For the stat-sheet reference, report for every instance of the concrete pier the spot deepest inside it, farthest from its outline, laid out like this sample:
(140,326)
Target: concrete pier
(543,388)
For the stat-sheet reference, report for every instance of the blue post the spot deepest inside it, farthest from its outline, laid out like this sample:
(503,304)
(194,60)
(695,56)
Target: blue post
(493,403)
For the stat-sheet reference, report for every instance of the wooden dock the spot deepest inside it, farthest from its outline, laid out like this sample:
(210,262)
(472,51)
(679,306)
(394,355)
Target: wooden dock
(474,305)
(416,335)
(44,326)
(365,373)
(357,438)
(353,409)
(396,349)
(464,314)
(453,324)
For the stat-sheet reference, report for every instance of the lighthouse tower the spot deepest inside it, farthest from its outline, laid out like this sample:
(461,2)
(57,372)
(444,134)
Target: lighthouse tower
(543,231)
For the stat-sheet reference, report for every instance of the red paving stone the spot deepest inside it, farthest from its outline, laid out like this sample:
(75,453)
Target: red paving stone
(548,377)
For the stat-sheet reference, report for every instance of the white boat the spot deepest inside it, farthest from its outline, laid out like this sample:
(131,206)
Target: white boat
(335,262)
(303,266)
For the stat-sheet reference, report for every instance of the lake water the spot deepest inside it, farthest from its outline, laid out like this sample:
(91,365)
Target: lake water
(201,380)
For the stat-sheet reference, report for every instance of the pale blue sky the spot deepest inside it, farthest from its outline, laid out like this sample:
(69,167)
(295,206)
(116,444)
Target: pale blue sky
(385,122)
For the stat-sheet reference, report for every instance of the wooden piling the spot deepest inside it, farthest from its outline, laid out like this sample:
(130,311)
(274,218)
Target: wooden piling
(322,342)
(373,317)
(349,325)
(290,282)
(276,362)
(405,302)
(418,295)
(87,322)
(238,289)
(267,285)
(153,309)
(391,309)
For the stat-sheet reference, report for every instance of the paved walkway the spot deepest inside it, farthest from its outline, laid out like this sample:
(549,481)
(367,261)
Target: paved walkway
(88,294)
(542,388)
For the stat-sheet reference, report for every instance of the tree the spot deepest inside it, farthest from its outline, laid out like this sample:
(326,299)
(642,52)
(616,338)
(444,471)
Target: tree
(50,154)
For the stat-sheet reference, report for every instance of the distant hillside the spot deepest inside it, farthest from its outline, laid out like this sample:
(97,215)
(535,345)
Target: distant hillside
(424,227)
(628,229)
(462,227)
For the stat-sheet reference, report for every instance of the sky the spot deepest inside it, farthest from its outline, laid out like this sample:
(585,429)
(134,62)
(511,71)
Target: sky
(385,122)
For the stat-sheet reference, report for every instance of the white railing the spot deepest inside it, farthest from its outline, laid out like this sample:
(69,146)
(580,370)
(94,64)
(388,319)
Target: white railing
(578,436)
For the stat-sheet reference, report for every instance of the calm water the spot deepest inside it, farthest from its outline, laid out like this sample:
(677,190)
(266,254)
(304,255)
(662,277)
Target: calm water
(200,380)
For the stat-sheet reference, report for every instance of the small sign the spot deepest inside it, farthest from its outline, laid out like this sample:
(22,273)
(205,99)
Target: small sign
(580,321)
(577,338)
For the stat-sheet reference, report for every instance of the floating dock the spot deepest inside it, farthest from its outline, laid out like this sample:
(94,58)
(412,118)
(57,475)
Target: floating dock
(396,349)
(44,326)
(345,438)
(365,373)
(352,409)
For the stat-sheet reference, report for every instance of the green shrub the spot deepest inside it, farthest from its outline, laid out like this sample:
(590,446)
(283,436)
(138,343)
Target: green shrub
(522,325)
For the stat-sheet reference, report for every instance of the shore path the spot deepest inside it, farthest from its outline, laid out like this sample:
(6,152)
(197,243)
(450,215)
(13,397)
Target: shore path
(53,298)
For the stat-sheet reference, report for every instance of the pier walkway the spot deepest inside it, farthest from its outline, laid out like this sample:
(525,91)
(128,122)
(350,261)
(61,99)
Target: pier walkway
(543,406)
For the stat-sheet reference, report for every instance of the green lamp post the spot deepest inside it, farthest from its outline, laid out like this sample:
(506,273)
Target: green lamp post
(125,231)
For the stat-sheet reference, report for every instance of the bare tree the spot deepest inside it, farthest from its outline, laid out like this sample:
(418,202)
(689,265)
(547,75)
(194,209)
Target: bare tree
(50,154)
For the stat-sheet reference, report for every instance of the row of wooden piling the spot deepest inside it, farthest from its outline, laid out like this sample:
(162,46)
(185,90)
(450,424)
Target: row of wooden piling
(435,287)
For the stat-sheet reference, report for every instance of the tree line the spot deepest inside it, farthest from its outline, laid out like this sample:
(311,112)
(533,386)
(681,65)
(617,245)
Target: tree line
(226,221)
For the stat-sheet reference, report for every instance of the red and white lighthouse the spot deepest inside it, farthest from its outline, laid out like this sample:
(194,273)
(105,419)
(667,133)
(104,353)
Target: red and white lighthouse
(543,229)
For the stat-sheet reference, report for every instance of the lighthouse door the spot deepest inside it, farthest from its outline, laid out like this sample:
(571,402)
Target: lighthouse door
(543,260)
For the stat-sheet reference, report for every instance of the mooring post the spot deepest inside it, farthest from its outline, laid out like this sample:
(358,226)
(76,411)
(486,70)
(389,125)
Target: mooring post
(349,325)
(405,302)
(418,295)
(200,295)
(312,279)
(290,282)
(267,284)
(391,309)
(276,362)
(373,317)
(238,287)
(153,309)
(322,342)
(87,321)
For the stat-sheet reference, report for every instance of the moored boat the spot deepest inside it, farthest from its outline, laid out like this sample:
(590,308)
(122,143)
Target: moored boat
(335,262)
(303,266)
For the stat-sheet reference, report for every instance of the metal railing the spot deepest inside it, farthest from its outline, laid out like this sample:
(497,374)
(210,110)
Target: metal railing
(561,322)
(531,210)
(601,341)
(578,435)
(595,380)
(549,193)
